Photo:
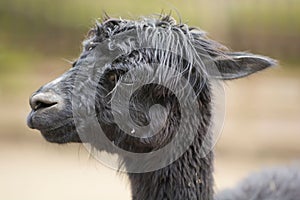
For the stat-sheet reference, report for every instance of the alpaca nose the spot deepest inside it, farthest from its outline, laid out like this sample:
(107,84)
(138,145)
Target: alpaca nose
(41,101)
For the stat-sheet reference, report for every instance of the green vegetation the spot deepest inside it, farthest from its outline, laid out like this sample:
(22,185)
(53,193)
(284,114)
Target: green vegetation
(32,29)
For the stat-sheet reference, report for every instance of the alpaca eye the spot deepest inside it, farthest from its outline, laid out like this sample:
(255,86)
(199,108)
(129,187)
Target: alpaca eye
(112,78)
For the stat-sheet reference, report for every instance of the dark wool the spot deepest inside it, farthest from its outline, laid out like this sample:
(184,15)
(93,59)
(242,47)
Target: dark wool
(191,175)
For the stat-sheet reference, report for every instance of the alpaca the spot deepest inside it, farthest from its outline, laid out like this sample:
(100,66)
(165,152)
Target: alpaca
(281,183)
(155,53)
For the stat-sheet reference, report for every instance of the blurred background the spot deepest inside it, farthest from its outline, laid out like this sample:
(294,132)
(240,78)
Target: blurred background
(39,37)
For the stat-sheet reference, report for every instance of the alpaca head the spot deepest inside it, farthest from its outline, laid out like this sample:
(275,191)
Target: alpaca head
(138,86)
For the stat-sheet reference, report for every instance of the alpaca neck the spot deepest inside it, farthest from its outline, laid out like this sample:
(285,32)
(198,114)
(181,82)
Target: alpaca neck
(190,177)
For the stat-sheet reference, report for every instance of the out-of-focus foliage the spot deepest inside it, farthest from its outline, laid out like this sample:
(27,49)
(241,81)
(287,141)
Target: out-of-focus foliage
(34,29)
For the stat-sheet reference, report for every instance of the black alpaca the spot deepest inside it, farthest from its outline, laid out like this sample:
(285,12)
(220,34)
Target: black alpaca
(154,43)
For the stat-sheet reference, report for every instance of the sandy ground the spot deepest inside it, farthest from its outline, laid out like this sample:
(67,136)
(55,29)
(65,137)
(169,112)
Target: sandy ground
(262,129)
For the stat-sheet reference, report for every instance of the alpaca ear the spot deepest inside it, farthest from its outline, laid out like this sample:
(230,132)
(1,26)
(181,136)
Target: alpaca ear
(238,64)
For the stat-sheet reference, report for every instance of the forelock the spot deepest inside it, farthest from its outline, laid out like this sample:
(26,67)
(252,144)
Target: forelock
(165,37)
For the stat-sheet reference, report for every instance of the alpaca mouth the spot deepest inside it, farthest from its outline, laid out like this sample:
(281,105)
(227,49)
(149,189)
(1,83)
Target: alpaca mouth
(62,134)
(55,131)
(59,126)
(45,122)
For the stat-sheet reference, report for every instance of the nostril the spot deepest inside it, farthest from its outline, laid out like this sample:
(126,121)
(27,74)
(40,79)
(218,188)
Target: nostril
(40,105)
(43,100)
